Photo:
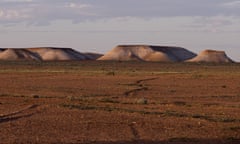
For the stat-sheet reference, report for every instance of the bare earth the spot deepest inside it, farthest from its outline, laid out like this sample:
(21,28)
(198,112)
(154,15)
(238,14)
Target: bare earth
(119,102)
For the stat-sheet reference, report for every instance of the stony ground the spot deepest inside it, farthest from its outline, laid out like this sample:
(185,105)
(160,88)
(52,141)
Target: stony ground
(119,102)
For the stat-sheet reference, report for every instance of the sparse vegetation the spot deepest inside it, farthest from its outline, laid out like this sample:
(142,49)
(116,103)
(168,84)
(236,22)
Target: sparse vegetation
(142,101)
(35,96)
(108,100)
(160,101)
(71,98)
(183,139)
(180,103)
(112,73)
(234,128)
(197,76)
(224,86)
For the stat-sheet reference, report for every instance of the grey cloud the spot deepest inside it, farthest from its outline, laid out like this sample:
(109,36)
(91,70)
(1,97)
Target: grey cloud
(45,11)
(213,24)
(232,4)
(165,8)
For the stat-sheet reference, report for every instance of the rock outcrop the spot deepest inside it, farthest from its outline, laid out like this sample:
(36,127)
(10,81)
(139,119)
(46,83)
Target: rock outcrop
(18,54)
(45,54)
(148,53)
(211,56)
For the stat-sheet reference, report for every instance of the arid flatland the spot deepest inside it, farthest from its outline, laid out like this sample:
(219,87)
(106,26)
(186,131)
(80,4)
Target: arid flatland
(119,102)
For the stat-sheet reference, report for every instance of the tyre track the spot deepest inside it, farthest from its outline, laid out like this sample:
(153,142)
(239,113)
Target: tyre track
(23,113)
(134,131)
(140,86)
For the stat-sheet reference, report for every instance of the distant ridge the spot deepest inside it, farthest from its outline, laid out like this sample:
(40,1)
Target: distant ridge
(118,53)
(45,54)
(148,53)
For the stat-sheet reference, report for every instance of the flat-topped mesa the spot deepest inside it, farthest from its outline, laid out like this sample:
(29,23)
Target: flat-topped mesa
(148,53)
(58,54)
(18,54)
(212,56)
(45,54)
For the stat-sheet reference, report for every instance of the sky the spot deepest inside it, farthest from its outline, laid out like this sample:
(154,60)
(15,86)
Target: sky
(100,25)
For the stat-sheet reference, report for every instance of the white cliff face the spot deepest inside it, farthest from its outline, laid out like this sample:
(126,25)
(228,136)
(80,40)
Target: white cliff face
(148,53)
(212,56)
(119,53)
(18,54)
(44,54)
(52,54)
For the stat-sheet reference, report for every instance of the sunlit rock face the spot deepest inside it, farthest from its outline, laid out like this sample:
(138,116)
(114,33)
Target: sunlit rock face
(45,54)
(148,53)
(211,56)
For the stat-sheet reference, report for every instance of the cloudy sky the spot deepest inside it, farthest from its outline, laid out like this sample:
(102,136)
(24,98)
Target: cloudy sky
(99,25)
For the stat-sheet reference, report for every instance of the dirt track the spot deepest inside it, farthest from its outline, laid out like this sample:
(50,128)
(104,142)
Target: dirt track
(114,102)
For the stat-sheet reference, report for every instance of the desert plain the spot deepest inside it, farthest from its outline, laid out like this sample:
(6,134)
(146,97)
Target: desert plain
(113,102)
